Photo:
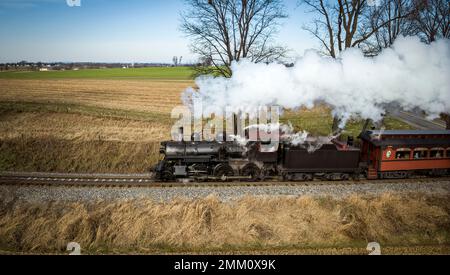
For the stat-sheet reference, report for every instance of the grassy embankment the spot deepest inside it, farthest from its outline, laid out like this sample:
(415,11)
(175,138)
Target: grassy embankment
(402,224)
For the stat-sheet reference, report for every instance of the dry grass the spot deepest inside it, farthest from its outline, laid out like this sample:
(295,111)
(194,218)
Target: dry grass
(67,156)
(76,127)
(150,96)
(207,225)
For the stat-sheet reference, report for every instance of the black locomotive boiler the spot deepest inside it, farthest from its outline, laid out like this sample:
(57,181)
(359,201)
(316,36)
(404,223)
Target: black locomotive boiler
(203,160)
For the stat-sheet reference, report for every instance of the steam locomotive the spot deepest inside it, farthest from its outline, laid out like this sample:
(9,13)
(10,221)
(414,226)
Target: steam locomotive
(376,155)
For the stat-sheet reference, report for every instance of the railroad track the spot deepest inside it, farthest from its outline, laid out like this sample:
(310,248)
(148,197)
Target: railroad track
(76,179)
(145,180)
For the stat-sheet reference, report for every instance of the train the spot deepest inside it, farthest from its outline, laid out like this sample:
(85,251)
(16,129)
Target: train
(376,154)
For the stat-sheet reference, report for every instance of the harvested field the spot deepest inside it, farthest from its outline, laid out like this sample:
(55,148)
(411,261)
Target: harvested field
(85,126)
(139,95)
(77,127)
(284,224)
(73,142)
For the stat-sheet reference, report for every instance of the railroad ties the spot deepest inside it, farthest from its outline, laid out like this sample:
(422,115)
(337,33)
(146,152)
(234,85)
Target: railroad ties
(146,180)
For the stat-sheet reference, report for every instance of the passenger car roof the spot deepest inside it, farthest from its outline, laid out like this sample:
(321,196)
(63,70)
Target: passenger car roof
(416,137)
(407,132)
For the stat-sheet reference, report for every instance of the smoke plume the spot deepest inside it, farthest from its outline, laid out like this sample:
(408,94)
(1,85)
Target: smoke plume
(411,74)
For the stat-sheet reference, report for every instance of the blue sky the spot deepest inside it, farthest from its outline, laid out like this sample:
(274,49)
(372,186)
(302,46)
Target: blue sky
(112,31)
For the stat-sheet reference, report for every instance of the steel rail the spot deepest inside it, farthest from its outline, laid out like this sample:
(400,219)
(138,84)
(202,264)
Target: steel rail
(145,180)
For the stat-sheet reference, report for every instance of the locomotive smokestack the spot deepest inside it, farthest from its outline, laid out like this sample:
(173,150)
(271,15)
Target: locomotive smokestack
(181,130)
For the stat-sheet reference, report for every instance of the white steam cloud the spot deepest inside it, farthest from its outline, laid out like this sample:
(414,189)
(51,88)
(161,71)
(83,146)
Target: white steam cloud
(411,74)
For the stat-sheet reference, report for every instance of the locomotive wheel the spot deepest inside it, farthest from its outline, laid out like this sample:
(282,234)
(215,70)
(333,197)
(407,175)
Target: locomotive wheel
(167,175)
(268,171)
(335,176)
(305,177)
(251,170)
(285,176)
(222,171)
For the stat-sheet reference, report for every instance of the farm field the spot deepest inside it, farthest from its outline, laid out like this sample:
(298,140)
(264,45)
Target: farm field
(90,125)
(84,122)
(148,96)
(173,73)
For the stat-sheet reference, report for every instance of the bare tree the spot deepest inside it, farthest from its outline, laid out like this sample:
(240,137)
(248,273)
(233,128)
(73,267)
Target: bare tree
(394,17)
(343,24)
(431,19)
(175,61)
(223,31)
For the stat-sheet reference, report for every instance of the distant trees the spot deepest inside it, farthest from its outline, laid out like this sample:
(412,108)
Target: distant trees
(223,31)
(177,60)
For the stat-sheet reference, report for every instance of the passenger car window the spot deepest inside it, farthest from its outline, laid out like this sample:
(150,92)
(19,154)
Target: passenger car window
(402,154)
(420,153)
(437,153)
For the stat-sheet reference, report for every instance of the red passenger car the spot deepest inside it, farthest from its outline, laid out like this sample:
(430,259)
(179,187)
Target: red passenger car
(398,154)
